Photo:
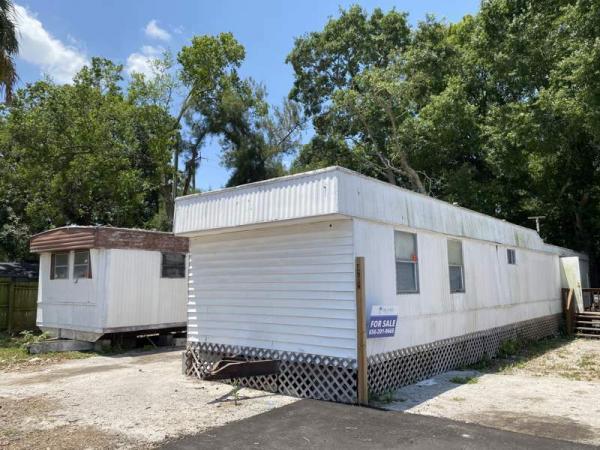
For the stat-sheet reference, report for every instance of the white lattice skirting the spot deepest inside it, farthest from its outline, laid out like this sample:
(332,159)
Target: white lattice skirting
(334,379)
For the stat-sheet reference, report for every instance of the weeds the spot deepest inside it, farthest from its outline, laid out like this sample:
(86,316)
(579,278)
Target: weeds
(384,397)
(14,354)
(464,380)
(29,337)
(482,364)
(510,347)
(587,361)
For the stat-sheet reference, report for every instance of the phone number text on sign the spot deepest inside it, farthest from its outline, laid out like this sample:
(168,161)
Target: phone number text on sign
(382,322)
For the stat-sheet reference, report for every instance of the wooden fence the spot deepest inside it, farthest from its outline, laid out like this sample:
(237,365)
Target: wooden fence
(18,305)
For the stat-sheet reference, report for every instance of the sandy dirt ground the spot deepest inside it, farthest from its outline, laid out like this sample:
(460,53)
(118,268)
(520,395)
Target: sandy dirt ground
(555,395)
(135,400)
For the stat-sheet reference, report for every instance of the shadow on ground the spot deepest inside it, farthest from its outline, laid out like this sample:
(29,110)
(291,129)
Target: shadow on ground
(324,425)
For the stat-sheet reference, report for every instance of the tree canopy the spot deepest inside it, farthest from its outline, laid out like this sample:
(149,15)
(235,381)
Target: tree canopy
(499,112)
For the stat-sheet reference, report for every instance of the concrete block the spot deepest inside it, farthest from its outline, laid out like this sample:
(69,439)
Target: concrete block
(102,345)
(60,345)
(165,340)
(179,341)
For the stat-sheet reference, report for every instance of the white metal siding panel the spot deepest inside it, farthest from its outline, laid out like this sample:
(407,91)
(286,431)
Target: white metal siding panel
(496,293)
(279,199)
(72,304)
(368,198)
(340,191)
(288,288)
(137,293)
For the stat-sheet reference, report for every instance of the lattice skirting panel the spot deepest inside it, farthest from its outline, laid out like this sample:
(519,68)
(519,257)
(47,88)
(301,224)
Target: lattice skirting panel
(390,371)
(301,375)
(334,379)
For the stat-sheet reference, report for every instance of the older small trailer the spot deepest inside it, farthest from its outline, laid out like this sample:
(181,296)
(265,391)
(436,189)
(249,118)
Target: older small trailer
(353,285)
(95,281)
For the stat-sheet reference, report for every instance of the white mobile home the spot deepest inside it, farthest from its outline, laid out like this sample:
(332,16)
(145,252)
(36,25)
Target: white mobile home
(95,281)
(273,274)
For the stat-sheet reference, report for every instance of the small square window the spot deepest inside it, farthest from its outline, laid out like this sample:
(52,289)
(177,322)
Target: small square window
(173,265)
(511,256)
(59,266)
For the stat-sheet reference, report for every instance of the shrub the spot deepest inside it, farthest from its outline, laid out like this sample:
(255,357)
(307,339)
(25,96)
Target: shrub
(508,348)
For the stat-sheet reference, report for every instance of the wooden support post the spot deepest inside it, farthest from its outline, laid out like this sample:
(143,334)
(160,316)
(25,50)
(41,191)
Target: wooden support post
(361,334)
(11,307)
(569,312)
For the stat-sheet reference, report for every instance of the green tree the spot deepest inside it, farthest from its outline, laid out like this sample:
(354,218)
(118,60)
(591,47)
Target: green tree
(78,154)
(9,47)
(190,90)
(256,137)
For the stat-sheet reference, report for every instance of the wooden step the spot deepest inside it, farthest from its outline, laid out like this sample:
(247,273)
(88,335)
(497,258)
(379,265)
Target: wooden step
(589,336)
(589,322)
(587,329)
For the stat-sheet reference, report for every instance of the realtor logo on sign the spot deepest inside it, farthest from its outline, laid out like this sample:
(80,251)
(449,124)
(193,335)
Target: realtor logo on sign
(382,322)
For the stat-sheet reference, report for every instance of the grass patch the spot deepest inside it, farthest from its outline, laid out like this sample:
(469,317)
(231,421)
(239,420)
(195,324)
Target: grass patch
(463,380)
(515,354)
(13,352)
(384,397)
(588,361)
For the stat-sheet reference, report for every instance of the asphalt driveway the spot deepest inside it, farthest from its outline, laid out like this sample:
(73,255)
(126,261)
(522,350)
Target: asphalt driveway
(323,425)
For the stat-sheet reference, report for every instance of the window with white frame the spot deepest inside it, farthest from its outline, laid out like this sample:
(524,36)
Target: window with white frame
(407,265)
(456,266)
(82,267)
(511,256)
(59,266)
(173,265)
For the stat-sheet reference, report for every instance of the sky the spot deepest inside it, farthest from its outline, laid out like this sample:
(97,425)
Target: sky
(57,37)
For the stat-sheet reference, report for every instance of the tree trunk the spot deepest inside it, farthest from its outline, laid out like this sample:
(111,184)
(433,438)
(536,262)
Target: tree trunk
(412,174)
(171,209)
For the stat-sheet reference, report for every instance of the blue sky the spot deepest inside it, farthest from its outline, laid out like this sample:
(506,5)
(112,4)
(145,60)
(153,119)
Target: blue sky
(58,36)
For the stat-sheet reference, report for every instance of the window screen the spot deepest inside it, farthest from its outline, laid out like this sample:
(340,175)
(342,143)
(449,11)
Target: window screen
(59,263)
(407,266)
(82,267)
(511,256)
(455,266)
(173,265)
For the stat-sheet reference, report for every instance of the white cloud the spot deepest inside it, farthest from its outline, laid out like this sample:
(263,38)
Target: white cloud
(152,30)
(141,62)
(38,47)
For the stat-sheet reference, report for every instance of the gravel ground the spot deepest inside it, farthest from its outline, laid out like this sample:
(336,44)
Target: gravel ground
(125,401)
(555,394)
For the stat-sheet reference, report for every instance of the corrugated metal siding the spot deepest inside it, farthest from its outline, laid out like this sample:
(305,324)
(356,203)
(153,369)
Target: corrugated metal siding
(125,290)
(69,304)
(496,293)
(275,200)
(137,295)
(288,288)
(340,191)
(67,238)
(82,237)
(367,198)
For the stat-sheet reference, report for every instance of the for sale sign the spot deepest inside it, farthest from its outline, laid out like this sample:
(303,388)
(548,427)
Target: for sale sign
(382,322)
